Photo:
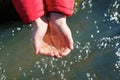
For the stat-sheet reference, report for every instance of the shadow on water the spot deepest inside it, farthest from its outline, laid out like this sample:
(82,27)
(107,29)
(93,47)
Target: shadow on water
(96,56)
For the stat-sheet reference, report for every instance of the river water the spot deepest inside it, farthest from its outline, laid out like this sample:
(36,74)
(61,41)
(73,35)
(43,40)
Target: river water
(95,27)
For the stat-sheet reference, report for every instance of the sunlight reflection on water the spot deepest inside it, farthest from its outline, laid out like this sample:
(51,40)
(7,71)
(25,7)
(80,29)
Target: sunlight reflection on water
(96,55)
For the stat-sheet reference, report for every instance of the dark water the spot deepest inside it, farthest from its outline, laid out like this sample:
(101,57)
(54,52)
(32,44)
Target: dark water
(96,56)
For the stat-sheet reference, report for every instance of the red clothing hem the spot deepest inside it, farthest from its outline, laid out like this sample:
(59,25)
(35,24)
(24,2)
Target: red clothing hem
(29,10)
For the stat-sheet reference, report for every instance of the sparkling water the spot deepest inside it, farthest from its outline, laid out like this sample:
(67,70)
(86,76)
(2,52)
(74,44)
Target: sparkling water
(95,27)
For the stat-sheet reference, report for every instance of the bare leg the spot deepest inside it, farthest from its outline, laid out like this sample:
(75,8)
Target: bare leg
(60,34)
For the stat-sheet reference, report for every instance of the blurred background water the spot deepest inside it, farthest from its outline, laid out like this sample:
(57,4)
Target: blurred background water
(95,26)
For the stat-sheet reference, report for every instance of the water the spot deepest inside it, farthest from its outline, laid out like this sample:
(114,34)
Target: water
(96,31)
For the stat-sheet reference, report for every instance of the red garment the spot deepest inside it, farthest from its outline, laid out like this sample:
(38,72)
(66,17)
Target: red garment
(29,10)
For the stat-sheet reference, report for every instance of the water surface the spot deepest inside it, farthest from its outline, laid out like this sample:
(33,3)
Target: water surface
(96,56)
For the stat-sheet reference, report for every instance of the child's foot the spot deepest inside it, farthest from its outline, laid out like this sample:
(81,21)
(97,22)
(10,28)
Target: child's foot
(60,34)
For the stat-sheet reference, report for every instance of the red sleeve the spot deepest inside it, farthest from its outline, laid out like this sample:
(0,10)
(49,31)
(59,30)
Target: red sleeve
(29,10)
(63,6)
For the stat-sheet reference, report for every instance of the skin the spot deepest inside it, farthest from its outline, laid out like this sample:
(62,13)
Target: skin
(53,37)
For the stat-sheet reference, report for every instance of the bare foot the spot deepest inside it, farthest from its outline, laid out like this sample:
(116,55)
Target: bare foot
(41,39)
(60,34)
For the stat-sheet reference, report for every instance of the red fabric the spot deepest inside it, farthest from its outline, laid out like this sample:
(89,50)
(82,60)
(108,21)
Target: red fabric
(29,10)
(63,6)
